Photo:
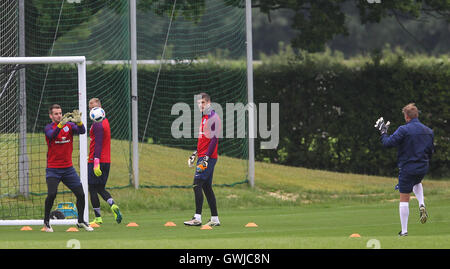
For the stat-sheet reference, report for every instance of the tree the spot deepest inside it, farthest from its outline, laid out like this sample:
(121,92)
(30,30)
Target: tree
(319,21)
(43,17)
(315,22)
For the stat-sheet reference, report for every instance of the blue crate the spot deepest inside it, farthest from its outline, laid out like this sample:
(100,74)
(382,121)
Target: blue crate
(68,209)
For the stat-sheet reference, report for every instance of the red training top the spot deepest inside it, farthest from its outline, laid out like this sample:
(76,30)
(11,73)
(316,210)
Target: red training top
(60,143)
(100,146)
(208,141)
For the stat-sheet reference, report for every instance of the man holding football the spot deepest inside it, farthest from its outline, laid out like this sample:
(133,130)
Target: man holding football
(207,157)
(59,136)
(415,148)
(99,164)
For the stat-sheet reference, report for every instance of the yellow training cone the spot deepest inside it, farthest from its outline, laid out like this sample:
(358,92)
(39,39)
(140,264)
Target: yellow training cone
(26,228)
(170,224)
(251,224)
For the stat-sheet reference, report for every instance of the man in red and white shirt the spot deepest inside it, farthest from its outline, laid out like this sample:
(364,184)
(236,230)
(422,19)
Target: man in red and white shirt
(59,136)
(99,164)
(206,152)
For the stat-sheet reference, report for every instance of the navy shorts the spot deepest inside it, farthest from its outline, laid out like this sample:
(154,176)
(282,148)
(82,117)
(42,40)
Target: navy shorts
(67,175)
(93,179)
(206,175)
(407,181)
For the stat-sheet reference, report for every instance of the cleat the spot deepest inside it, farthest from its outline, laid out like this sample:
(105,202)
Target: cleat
(116,212)
(402,234)
(213,223)
(47,227)
(423,214)
(97,220)
(85,226)
(193,222)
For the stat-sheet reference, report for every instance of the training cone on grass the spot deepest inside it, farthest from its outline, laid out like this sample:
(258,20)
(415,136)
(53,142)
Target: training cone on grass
(170,224)
(94,225)
(206,227)
(132,224)
(72,229)
(26,228)
(251,224)
(355,236)
(43,229)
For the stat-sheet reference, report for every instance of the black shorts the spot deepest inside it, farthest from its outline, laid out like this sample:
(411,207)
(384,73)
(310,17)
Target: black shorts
(93,179)
(407,181)
(67,175)
(206,175)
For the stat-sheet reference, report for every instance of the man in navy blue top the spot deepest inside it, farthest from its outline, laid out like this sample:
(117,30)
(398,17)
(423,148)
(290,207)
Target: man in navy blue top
(415,148)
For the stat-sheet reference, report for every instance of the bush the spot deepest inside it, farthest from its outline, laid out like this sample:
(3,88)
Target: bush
(328,111)
(328,105)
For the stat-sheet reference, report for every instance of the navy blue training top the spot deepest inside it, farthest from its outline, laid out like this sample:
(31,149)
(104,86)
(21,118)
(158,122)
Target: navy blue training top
(415,146)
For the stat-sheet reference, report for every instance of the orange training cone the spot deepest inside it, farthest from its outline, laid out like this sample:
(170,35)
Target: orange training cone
(170,224)
(132,224)
(251,224)
(94,225)
(206,227)
(72,229)
(355,236)
(26,228)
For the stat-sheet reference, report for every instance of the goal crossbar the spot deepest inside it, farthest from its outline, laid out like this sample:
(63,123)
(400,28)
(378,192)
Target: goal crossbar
(80,61)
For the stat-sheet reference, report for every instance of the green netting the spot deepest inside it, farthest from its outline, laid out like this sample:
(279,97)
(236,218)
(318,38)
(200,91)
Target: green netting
(22,184)
(198,48)
(183,48)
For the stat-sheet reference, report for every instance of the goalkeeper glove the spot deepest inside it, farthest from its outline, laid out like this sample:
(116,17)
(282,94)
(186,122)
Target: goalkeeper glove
(66,118)
(76,117)
(203,165)
(192,159)
(97,170)
(381,126)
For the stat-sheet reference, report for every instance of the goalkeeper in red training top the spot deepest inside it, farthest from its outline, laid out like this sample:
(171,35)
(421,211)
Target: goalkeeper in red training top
(99,164)
(207,157)
(59,137)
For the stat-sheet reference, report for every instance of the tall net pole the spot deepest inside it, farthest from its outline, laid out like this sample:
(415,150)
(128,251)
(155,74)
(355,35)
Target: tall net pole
(251,118)
(134,94)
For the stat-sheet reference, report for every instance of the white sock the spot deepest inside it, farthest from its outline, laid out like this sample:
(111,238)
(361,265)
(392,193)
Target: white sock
(404,214)
(418,191)
(198,217)
(215,218)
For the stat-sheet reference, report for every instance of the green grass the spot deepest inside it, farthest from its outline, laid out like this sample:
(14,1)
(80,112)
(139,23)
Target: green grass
(294,208)
(316,227)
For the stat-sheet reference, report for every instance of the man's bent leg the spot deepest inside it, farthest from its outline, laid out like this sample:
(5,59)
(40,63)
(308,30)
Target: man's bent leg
(79,194)
(52,190)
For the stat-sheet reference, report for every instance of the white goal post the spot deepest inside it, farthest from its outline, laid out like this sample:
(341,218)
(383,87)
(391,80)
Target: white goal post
(80,61)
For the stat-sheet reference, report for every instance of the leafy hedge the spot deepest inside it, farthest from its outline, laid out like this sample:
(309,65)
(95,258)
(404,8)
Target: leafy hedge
(327,112)
(327,108)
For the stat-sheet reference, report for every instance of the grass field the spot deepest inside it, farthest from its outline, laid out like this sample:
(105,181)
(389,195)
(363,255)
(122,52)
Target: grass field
(294,208)
(317,227)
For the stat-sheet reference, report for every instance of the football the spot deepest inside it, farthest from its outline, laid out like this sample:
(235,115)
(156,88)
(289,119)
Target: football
(97,114)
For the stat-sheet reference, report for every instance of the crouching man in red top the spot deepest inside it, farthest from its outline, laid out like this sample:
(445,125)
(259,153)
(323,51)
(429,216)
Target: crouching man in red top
(59,136)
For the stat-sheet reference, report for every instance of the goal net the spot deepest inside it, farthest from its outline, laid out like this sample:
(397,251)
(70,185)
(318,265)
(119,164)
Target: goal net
(23,148)
(183,48)
(200,47)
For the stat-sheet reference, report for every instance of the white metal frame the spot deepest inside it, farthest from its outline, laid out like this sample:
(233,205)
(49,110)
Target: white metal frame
(251,105)
(80,61)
